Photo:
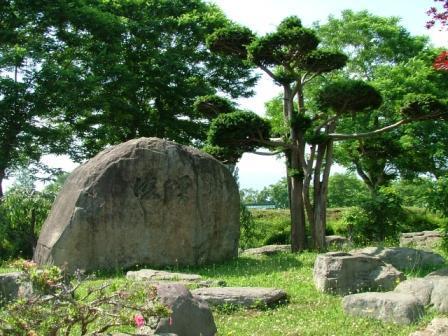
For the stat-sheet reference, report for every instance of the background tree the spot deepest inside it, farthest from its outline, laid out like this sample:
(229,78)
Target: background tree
(77,76)
(396,63)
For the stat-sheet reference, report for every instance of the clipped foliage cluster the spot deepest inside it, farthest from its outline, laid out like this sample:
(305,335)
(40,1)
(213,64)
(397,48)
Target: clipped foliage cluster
(348,96)
(238,131)
(65,305)
(322,61)
(212,105)
(230,40)
(416,106)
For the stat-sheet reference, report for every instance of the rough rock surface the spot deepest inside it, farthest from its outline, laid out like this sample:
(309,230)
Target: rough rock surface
(403,258)
(343,273)
(156,277)
(241,296)
(12,287)
(439,272)
(437,327)
(190,317)
(431,291)
(267,250)
(390,307)
(146,201)
(423,239)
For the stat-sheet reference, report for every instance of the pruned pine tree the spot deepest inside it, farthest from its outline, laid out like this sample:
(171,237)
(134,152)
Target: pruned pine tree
(292,58)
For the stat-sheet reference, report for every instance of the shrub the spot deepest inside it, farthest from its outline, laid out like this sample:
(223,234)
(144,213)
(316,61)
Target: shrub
(60,305)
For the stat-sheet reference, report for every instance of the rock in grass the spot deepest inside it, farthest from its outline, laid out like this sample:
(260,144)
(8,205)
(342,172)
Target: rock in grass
(343,273)
(240,296)
(145,201)
(403,258)
(437,327)
(440,272)
(190,317)
(423,239)
(267,250)
(431,291)
(335,241)
(156,276)
(13,287)
(389,307)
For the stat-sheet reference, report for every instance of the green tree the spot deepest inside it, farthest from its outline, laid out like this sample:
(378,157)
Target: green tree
(345,190)
(291,57)
(396,63)
(78,75)
(22,214)
(276,193)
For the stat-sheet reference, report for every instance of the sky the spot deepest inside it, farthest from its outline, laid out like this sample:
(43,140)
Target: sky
(262,16)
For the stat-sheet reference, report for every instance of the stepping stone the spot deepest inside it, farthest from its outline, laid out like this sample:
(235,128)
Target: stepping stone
(423,239)
(437,327)
(267,250)
(156,276)
(240,296)
(403,258)
(389,307)
(12,287)
(344,273)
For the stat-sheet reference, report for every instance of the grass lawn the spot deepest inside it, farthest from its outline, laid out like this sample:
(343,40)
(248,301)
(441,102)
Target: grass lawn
(308,312)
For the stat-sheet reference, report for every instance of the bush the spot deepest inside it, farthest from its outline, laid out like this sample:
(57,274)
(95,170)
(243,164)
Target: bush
(376,218)
(60,305)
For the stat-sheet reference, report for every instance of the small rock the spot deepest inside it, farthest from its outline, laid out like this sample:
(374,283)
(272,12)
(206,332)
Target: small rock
(344,273)
(190,317)
(337,241)
(240,296)
(437,327)
(157,277)
(424,239)
(13,287)
(389,307)
(268,250)
(403,258)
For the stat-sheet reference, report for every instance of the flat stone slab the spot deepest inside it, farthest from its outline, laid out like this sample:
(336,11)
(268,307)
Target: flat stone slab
(437,327)
(267,250)
(12,287)
(240,296)
(423,239)
(389,307)
(343,273)
(403,258)
(158,277)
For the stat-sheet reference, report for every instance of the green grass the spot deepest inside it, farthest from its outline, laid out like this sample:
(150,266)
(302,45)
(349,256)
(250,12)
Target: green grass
(308,311)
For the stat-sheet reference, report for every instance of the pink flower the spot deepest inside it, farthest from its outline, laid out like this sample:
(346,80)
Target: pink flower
(139,321)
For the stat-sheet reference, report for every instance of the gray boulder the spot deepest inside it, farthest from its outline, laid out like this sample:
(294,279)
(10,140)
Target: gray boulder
(432,291)
(267,250)
(437,327)
(389,307)
(13,287)
(146,201)
(423,239)
(240,296)
(190,317)
(439,272)
(155,277)
(344,273)
(403,258)
(419,287)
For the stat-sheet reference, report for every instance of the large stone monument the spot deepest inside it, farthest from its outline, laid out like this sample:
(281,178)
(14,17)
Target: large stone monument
(146,201)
